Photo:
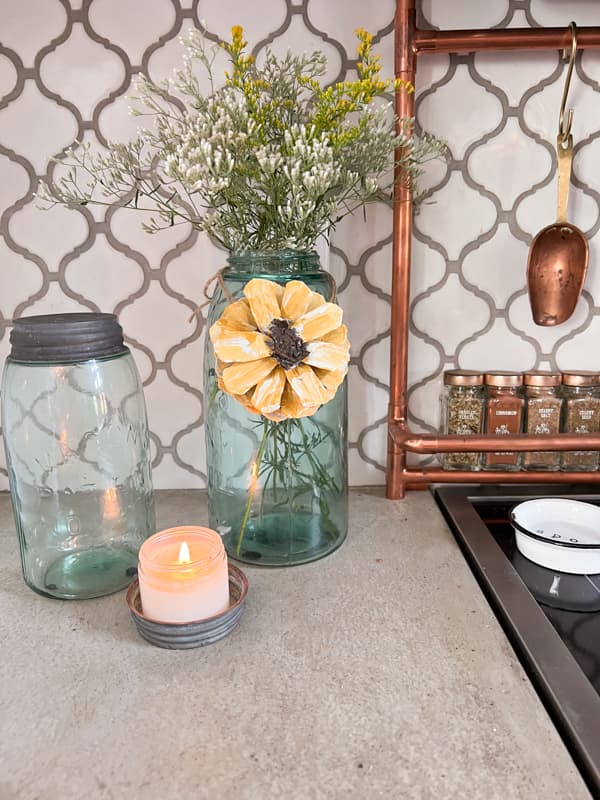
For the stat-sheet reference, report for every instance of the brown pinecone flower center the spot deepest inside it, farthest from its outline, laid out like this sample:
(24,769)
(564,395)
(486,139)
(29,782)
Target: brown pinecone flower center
(287,348)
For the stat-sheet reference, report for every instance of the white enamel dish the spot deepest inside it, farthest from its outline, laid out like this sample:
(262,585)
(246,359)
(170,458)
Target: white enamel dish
(559,534)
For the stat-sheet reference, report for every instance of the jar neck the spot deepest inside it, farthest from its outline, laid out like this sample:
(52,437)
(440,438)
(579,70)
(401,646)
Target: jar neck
(503,391)
(279,262)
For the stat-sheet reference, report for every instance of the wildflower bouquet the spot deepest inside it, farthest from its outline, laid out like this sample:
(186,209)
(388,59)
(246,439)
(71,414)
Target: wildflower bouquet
(267,161)
(265,164)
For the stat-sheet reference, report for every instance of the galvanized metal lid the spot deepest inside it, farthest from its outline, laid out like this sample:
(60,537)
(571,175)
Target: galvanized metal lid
(463,377)
(504,378)
(542,378)
(66,338)
(187,635)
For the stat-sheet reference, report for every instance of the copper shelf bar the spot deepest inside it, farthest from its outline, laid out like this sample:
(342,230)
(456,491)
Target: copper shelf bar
(410,43)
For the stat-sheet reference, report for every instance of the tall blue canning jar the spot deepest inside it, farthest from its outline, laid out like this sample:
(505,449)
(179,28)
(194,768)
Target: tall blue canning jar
(277,490)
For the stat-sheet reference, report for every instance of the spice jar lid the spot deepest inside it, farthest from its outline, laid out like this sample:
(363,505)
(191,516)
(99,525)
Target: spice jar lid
(66,338)
(542,378)
(463,377)
(504,378)
(580,378)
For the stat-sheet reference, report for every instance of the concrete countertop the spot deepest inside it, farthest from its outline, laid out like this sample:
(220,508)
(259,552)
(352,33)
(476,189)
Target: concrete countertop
(378,672)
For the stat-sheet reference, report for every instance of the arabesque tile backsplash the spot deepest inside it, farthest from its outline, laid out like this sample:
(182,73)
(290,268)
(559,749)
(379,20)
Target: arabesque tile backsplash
(66,71)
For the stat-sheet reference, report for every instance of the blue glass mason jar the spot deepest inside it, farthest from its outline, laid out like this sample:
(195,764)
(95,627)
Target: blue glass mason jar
(277,490)
(77,451)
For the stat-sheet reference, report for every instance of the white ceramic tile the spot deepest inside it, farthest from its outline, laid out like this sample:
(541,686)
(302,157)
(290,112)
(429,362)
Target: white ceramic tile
(424,403)
(120,22)
(363,327)
(258,19)
(82,71)
(55,301)
(581,351)
(553,14)
(451,313)
(8,76)
(142,362)
(19,279)
(360,472)
(376,360)
(156,320)
(378,268)
(537,210)
(36,127)
(189,271)
(14,182)
(466,14)
(299,39)
(50,234)
(168,474)
(456,222)
(498,266)
(185,363)
(162,396)
(423,359)
(430,70)
(509,163)
(519,315)
(116,122)
(542,109)
(358,231)
(506,70)
(104,275)
(470,112)
(428,268)
(592,280)
(585,163)
(365,403)
(326,16)
(126,226)
(191,449)
(27,26)
(499,348)
(375,444)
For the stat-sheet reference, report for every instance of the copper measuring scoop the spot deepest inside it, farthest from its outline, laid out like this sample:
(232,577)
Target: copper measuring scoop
(558,257)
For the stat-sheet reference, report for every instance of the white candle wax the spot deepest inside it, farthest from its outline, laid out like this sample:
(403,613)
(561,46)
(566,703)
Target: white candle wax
(183,575)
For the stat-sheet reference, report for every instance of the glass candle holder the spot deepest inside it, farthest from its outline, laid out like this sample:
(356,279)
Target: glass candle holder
(183,575)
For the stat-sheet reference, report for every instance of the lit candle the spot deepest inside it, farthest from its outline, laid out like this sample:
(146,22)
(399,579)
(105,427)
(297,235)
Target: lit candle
(183,575)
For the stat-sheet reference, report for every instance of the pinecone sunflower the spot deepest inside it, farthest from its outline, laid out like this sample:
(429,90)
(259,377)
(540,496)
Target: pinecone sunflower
(281,351)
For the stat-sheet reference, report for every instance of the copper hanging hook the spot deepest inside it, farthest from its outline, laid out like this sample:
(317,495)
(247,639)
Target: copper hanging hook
(563,134)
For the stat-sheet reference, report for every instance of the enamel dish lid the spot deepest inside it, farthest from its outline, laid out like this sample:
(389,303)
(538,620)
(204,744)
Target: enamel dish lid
(559,534)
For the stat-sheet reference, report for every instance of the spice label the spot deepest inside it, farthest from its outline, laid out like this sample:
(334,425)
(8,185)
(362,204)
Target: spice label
(503,418)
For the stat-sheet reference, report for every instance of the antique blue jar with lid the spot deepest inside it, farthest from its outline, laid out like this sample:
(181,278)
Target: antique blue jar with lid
(77,451)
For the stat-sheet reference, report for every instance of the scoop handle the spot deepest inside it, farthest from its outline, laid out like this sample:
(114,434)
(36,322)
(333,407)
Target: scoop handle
(565,159)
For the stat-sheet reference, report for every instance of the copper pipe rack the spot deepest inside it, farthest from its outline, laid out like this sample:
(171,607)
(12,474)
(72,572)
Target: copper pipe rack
(410,44)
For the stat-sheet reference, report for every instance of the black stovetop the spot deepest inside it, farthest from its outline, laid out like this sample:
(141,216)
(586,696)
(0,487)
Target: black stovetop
(560,650)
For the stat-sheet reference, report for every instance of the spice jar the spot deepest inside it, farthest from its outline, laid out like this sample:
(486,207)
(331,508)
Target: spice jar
(504,416)
(462,414)
(542,416)
(581,414)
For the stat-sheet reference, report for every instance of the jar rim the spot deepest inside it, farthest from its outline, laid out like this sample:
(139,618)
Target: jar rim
(149,553)
(463,377)
(542,378)
(580,378)
(504,379)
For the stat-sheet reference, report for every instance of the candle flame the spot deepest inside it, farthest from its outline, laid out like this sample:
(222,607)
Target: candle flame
(184,553)
(112,507)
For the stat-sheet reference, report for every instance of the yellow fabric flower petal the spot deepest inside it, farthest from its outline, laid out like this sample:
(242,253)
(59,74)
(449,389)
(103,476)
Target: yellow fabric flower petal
(317,323)
(327,356)
(306,386)
(233,345)
(240,378)
(264,298)
(238,315)
(315,301)
(267,395)
(295,301)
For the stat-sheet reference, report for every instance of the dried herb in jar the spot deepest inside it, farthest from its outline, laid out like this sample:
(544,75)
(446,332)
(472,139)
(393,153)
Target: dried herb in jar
(581,415)
(542,416)
(463,413)
(504,416)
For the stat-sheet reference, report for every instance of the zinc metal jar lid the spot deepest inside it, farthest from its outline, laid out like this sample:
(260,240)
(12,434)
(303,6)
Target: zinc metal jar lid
(580,378)
(504,378)
(66,338)
(463,377)
(542,378)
